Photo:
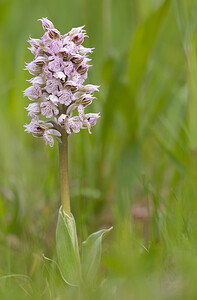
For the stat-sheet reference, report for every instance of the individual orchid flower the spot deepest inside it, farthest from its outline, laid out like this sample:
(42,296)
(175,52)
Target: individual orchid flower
(42,130)
(33,110)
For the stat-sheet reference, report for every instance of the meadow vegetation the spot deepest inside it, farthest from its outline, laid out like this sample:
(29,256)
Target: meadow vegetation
(138,169)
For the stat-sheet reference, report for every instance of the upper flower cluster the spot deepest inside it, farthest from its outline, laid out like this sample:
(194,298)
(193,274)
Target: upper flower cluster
(60,68)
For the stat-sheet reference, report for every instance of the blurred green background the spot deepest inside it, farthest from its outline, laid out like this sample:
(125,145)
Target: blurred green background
(137,171)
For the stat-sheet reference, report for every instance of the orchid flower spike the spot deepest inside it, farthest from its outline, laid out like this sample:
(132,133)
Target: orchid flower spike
(57,89)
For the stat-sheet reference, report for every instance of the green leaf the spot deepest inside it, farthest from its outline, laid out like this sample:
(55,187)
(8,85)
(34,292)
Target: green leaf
(67,248)
(91,254)
(142,45)
(55,275)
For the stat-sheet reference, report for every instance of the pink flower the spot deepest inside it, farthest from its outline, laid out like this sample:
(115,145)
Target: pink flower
(65,96)
(60,75)
(48,138)
(53,86)
(49,109)
(48,74)
(43,131)
(35,44)
(90,120)
(33,92)
(73,124)
(68,68)
(56,64)
(55,46)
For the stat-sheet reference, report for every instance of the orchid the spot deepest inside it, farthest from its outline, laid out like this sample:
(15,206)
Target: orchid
(59,98)
(60,68)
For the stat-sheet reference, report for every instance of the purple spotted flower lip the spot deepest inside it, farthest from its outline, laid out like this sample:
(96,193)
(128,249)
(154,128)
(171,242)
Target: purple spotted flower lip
(57,93)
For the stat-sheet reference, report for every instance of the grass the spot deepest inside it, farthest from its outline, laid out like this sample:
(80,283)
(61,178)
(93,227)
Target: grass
(137,171)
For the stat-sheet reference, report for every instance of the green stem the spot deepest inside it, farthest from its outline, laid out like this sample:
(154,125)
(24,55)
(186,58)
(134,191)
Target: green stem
(64,180)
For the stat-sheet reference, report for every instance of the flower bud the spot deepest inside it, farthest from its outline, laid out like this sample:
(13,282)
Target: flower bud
(34,68)
(86,100)
(41,60)
(54,33)
(64,52)
(83,51)
(37,80)
(78,38)
(77,58)
(46,24)
(72,85)
(89,88)
(33,109)
(82,69)
(34,42)
(77,35)
(33,92)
